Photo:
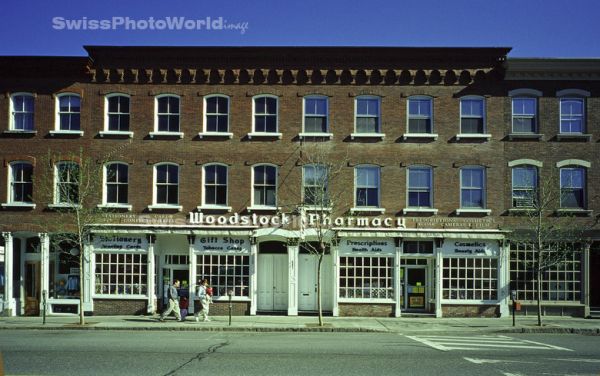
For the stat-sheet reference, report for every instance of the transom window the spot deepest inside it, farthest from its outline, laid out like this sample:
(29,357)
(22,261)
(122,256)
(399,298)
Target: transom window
(265,186)
(167,184)
(366,277)
(22,109)
(524,186)
(367,114)
(67,183)
(572,187)
(472,278)
(420,187)
(315,183)
(215,185)
(472,187)
(524,115)
(69,112)
(21,183)
(265,114)
(472,115)
(367,183)
(121,274)
(417,246)
(117,183)
(572,117)
(167,113)
(420,115)
(117,113)
(315,115)
(216,118)
(225,273)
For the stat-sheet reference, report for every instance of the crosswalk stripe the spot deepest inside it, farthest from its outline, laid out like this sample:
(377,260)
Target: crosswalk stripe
(447,343)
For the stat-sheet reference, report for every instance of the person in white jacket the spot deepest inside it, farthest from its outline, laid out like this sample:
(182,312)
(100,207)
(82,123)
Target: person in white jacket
(205,300)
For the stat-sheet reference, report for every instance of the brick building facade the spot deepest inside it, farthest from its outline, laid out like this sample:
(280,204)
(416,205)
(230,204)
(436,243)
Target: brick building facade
(438,152)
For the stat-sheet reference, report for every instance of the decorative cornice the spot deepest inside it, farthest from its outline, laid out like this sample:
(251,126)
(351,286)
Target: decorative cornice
(553,69)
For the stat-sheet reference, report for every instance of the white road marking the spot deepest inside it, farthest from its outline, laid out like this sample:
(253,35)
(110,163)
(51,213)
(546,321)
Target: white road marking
(478,343)
(493,361)
(428,343)
(512,374)
(551,346)
(579,360)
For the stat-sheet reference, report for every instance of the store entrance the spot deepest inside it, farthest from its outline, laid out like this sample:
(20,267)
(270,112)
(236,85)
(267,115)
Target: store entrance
(594,279)
(414,288)
(170,274)
(307,282)
(32,288)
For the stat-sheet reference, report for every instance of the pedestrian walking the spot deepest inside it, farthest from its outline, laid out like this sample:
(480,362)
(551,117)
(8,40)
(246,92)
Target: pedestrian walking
(204,294)
(173,302)
(183,307)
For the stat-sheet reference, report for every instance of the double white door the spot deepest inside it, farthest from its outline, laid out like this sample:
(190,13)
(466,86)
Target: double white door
(273,282)
(307,283)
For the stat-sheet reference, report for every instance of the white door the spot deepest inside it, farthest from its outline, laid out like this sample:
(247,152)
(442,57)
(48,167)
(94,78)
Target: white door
(307,283)
(272,282)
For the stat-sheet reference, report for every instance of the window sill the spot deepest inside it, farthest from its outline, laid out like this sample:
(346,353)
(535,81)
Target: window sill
(17,132)
(165,207)
(573,137)
(305,135)
(115,134)
(202,135)
(574,211)
(367,210)
(120,296)
(521,210)
(432,136)
(419,210)
(214,208)
(66,133)
(276,135)
(115,206)
(18,205)
(262,208)
(64,206)
(166,134)
(317,209)
(473,211)
(473,136)
(380,136)
(525,136)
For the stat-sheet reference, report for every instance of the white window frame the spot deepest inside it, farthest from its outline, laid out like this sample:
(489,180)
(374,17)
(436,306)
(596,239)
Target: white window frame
(534,187)
(447,275)
(132,276)
(107,131)
(583,188)
(582,116)
(205,132)
(374,292)
(201,267)
(57,203)
(315,166)
(377,208)
(155,205)
(13,112)
(305,133)
(10,202)
(466,210)
(57,130)
(255,207)
(206,206)
(157,132)
(105,203)
(428,209)
(528,116)
(483,117)
(254,133)
(379,133)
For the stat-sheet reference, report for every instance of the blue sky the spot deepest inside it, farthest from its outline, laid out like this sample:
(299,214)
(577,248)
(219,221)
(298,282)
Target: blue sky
(534,28)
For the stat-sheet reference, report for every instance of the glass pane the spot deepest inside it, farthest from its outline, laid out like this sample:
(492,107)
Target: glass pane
(271,105)
(367,125)
(211,105)
(222,123)
(471,107)
(173,172)
(419,126)
(113,104)
(524,125)
(271,124)
(161,174)
(172,193)
(271,173)
(221,195)
(173,123)
(471,125)
(163,105)
(315,124)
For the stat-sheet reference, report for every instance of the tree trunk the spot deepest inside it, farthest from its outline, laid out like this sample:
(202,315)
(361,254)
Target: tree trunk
(81,289)
(319,308)
(538,276)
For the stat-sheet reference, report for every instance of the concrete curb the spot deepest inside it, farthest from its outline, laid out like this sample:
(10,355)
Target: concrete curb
(200,329)
(581,331)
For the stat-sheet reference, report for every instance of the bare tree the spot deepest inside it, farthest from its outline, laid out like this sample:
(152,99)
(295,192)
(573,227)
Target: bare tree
(548,226)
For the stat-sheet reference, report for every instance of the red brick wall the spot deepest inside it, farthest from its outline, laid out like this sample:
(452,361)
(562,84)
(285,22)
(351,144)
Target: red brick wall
(109,307)
(470,311)
(366,309)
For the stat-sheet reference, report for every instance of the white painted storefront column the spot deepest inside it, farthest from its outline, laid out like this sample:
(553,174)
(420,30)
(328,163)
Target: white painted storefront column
(150,274)
(336,277)
(193,278)
(88,272)
(503,278)
(586,280)
(10,303)
(253,276)
(293,250)
(397,281)
(44,269)
(438,280)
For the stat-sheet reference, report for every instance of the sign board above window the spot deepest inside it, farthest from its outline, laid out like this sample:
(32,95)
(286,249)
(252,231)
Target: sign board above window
(470,248)
(227,244)
(367,246)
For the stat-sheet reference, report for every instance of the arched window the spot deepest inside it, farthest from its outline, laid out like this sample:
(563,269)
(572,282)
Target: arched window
(472,115)
(68,114)
(20,183)
(367,115)
(264,186)
(167,113)
(117,107)
(472,187)
(215,185)
(265,111)
(216,113)
(67,180)
(21,112)
(166,184)
(420,187)
(367,186)
(116,180)
(420,114)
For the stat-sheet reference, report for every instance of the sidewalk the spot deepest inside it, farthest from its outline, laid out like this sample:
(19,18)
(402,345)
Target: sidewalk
(310,324)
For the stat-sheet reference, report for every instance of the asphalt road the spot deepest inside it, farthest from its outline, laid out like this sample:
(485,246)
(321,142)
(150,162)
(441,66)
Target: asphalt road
(67,352)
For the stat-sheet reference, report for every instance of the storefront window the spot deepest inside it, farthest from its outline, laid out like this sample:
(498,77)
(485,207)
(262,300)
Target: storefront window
(470,278)
(225,273)
(560,282)
(121,273)
(366,277)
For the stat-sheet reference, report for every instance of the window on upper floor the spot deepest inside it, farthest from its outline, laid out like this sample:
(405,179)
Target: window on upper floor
(316,114)
(166,180)
(68,112)
(215,185)
(264,186)
(116,178)
(572,115)
(420,115)
(367,114)
(265,114)
(524,115)
(472,187)
(167,113)
(420,190)
(315,186)
(573,187)
(472,115)
(20,181)
(21,112)
(524,186)
(367,186)
(216,114)
(67,179)
(117,113)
